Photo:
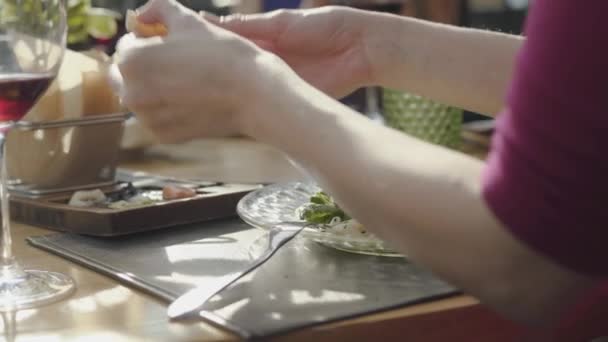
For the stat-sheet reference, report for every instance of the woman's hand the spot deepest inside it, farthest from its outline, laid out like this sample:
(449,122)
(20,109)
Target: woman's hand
(338,49)
(199,80)
(327,47)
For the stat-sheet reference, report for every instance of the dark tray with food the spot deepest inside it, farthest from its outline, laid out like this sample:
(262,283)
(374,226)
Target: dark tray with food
(136,202)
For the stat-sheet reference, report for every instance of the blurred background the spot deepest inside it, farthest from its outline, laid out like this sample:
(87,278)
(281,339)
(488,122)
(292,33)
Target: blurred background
(98,24)
(90,23)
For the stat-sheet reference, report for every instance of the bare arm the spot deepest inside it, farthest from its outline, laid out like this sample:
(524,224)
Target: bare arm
(426,200)
(466,68)
(422,198)
(338,50)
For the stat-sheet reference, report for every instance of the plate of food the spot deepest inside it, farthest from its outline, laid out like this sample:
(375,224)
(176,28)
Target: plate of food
(328,224)
(137,202)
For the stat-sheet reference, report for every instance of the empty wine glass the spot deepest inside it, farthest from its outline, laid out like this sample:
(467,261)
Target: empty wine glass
(32,43)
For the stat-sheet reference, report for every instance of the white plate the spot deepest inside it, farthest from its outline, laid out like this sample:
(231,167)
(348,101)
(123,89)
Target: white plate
(271,205)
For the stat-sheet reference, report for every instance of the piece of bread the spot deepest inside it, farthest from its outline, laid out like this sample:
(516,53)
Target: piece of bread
(63,99)
(98,96)
(80,88)
(68,155)
(143,30)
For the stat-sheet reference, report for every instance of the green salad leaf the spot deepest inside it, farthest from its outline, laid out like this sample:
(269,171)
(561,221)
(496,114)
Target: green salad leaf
(322,209)
(83,20)
(29,17)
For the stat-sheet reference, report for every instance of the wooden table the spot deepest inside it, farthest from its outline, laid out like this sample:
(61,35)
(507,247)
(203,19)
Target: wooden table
(102,309)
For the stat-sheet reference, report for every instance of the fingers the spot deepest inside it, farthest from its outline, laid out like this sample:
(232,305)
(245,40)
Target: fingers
(170,13)
(143,30)
(128,42)
(130,75)
(266,26)
(210,17)
(227,22)
(265,45)
(176,124)
(141,98)
(115,79)
(159,11)
(159,123)
(132,59)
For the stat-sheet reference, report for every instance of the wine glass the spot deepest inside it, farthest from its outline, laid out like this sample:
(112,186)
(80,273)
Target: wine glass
(32,43)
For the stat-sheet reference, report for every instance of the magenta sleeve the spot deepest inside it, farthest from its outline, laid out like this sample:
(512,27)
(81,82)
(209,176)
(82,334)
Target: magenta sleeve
(546,178)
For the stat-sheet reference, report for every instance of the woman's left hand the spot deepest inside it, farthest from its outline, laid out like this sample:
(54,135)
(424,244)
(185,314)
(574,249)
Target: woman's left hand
(199,80)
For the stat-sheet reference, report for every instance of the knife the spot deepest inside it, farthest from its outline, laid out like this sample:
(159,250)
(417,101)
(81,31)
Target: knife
(190,303)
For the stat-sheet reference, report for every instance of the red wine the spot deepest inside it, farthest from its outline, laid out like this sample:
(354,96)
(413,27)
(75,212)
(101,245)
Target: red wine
(19,93)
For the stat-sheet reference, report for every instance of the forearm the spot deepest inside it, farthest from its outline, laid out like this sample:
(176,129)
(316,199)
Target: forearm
(462,67)
(423,198)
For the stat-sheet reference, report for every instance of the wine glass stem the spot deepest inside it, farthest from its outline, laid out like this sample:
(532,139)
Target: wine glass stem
(7,243)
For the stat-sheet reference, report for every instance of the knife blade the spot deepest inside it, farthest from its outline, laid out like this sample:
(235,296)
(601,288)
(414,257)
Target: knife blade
(190,303)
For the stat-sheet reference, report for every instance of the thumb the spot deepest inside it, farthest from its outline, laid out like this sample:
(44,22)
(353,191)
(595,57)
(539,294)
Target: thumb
(170,13)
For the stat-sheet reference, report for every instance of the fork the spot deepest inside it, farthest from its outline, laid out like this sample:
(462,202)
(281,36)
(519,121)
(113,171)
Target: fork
(190,304)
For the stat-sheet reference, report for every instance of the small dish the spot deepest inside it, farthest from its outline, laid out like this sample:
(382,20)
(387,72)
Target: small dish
(273,204)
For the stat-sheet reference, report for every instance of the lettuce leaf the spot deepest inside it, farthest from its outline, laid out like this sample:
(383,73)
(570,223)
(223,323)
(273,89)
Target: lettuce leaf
(322,209)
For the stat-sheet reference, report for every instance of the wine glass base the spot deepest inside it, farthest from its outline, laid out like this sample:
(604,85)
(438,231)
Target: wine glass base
(33,289)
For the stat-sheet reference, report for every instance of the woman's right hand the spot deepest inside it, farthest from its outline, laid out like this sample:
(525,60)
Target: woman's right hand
(328,47)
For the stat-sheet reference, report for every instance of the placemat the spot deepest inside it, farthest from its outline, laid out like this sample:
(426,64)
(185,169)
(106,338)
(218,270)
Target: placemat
(303,284)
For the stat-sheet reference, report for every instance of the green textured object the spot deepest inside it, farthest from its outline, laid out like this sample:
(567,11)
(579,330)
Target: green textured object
(82,19)
(78,21)
(423,118)
(29,17)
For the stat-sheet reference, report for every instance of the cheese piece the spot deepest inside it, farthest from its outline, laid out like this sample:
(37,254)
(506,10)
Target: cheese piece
(143,30)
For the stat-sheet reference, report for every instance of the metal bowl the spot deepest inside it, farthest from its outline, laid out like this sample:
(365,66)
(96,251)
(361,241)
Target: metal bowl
(64,155)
